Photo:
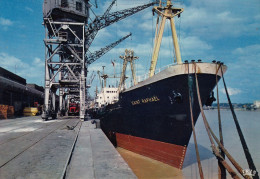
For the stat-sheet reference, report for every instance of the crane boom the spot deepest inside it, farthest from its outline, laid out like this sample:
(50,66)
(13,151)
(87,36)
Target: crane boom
(109,8)
(92,35)
(92,57)
(109,18)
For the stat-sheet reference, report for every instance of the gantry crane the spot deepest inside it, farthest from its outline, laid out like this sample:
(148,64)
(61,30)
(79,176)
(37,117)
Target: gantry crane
(69,34)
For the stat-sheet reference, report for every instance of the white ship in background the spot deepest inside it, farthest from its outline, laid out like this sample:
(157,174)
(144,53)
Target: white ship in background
(108,95)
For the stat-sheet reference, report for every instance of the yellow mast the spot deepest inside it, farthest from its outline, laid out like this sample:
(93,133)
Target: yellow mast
(167,12)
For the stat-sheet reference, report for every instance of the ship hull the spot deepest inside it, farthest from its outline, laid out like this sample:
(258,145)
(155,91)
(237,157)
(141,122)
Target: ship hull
(154,119)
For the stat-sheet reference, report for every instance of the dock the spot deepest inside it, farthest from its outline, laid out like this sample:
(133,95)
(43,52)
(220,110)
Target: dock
(62,148)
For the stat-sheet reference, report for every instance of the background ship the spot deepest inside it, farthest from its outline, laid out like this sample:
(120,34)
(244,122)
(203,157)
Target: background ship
(153,117)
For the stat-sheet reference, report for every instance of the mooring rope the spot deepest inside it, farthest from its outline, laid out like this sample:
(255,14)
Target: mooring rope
(190,85)
(240,133)
(215,150)
(221,168)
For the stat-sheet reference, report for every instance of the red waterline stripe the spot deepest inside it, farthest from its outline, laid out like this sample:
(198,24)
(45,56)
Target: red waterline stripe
(170,154)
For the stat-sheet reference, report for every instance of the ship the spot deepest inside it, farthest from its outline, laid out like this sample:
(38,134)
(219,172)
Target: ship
(153,116)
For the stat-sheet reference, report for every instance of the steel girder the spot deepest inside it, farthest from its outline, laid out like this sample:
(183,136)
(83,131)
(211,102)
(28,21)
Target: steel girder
(65,69)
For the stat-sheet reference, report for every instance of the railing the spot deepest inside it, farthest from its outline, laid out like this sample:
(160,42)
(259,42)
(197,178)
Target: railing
(146,76)
(63,35)
(163,68)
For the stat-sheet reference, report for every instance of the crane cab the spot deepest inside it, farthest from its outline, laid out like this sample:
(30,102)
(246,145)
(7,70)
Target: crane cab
(66,10)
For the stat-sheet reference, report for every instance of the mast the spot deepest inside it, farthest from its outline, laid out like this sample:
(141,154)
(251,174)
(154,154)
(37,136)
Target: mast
(168,12)
(104,76)
(128,57)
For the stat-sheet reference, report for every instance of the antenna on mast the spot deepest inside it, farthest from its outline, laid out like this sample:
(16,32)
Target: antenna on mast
(96,3)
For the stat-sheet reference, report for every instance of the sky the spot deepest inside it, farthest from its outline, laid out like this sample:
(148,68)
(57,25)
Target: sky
(223,30)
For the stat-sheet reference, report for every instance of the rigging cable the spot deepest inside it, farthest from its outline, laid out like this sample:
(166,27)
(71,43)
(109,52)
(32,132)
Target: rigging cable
(211,134)
(240,133)
(221,168)
(191,101)
(152,47)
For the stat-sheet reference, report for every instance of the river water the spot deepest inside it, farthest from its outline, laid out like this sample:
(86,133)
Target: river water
(250,125)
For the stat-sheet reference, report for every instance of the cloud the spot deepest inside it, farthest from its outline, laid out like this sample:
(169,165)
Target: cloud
(243,72)
(10,62)
(245,51)
(124,4)
(122,33)
(38,62)
(128,23)
(257,17)
(141,49)
(194,46)
(146,26)
(190,46)
(215,19)
(28,9)
(248,59)
(231,91)
(103,33)
(199,21)
(5,22)
(33,73)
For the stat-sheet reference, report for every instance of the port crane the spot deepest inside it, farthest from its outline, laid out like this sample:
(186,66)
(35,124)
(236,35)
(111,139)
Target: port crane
(127,58)
(104,76)
(68,35)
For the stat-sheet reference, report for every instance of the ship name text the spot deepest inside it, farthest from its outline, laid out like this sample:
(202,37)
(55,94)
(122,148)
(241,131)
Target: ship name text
(145,100)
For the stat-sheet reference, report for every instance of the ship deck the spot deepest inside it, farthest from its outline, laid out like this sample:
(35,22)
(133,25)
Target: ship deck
(63,148)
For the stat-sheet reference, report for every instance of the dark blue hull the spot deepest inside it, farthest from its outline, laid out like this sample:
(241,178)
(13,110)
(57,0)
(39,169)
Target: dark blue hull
(158,111)
(154,119)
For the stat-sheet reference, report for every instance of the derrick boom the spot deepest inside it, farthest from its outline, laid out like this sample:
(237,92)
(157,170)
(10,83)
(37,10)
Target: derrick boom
(108,19)
(92,57)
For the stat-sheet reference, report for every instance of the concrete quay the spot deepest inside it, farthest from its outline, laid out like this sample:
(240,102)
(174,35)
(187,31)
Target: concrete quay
(62,148)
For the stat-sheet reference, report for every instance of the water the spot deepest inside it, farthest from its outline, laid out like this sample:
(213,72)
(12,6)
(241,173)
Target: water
(250,125)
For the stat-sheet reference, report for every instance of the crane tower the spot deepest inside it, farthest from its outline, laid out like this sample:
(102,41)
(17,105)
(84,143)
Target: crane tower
(65,69)
(68,36)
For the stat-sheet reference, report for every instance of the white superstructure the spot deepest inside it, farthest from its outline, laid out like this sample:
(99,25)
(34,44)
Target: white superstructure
(108,95)
(257,104)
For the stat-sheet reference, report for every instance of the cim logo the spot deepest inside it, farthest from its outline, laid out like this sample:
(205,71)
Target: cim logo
(248,172)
